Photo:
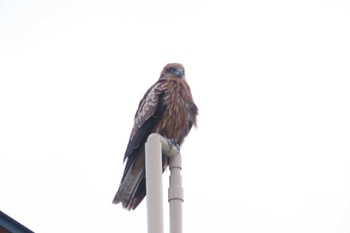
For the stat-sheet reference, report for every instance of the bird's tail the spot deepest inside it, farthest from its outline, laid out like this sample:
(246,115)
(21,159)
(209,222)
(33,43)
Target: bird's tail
(132,189)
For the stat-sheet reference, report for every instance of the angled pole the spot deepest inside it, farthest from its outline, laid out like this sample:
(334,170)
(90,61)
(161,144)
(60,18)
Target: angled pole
(155,146)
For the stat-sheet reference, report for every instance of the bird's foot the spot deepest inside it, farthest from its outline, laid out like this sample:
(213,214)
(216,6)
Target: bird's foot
(172,144)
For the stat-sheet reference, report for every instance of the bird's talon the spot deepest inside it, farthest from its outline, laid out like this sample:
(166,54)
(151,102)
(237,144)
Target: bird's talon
(172,143)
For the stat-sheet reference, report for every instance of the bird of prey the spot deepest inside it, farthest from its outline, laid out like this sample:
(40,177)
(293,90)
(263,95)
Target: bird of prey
(166,108)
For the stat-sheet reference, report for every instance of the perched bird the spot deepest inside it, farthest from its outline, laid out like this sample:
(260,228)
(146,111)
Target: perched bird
(166,108)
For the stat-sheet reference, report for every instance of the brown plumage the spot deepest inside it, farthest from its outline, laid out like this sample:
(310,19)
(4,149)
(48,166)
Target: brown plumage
(166,108)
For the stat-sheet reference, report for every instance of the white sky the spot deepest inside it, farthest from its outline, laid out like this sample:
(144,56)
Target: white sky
(271,80)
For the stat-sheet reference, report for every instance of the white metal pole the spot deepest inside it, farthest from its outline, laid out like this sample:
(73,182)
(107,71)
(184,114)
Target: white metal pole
(175,194)
(153,154)
(155,146)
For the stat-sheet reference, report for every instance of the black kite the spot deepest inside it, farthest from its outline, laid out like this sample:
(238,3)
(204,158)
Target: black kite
(166,108)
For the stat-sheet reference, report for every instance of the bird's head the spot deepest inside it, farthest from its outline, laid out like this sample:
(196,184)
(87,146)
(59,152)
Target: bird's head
(173,70)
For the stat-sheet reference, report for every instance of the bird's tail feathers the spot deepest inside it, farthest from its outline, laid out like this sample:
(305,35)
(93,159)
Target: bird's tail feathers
(128,191)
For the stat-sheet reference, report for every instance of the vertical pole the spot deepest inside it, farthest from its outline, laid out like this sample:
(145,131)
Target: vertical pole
(175,193)
(153,155)
(155,146)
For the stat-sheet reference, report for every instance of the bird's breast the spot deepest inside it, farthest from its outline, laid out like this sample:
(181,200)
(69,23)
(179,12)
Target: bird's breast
(174,123)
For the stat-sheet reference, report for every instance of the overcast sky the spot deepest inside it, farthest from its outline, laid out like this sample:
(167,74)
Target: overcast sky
(270,78)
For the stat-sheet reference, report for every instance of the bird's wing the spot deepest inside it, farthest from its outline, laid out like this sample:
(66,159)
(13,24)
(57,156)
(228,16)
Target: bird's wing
(132,187)
(150,110)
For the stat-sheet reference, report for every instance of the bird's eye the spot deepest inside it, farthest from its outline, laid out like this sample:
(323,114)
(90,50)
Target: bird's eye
(171,70)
